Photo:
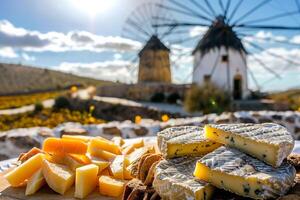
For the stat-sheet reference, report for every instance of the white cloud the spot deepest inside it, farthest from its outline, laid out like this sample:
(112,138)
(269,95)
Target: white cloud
(28,40)
(116,70)
(198,30)
(27,57)
(7,52)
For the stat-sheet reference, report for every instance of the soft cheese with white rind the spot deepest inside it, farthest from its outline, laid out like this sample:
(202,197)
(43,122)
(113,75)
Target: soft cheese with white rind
(184,141)
(268,142)
(173,180)
(237,172)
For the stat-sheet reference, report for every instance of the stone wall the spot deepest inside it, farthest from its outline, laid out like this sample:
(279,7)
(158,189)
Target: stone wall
(141,91)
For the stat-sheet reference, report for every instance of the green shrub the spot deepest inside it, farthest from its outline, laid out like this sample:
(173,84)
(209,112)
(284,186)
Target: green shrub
(158,97)
(173,98)
(38,107)
(206,98)
(62,102)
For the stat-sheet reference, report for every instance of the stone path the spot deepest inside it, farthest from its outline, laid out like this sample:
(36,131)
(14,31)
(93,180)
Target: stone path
(47,104)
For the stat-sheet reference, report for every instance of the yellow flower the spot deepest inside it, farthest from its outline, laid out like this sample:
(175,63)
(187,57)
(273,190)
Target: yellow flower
(165,118)
(74,89)
(138,119)
(92,119)
(92,107)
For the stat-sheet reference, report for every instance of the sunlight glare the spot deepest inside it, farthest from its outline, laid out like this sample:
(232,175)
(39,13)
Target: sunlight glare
(93,7)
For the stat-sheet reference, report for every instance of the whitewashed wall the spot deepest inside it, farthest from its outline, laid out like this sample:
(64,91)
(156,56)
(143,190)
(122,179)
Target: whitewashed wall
(203,65)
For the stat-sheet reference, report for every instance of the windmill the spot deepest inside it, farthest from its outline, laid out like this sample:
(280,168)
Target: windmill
(153,58)
(222,52)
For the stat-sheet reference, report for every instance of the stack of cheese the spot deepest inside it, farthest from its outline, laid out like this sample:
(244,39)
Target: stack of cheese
(250,164)
(85,162)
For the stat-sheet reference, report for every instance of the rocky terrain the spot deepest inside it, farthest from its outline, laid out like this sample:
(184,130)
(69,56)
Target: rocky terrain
(15,141)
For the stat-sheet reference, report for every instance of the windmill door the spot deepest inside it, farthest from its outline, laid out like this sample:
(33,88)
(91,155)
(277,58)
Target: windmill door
(237,87)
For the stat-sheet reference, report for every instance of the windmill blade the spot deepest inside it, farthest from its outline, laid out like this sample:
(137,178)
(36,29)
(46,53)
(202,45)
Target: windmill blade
(215,64)
(281,15)
(227,8)
(268,27)
(210,8)
(177,10)
(251,11)
(180,24)
(132,35)
(237,6)
(298,5)
(137,27)
(203,9)
(222,6)
(251,74)
(180,41)
(262,64)
(270,39)
(273,54)
(180,5)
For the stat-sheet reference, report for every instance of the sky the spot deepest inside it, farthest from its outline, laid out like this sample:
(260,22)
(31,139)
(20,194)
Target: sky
(89,38)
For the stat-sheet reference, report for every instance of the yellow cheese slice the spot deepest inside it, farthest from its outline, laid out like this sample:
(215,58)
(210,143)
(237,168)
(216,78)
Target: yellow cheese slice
(86,180)
(18,175)
(111,187)
(35,182)
(59,177)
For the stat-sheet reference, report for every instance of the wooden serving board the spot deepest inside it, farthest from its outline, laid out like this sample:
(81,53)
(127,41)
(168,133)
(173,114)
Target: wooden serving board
(46,193)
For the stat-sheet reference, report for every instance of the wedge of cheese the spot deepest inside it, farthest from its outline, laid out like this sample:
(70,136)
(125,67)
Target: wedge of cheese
(23,172)
(268,142)
(59,177)
(184,141)
(235,171)
(117,167)
(35,182)
(86,180)
(105,145)
(173,180)
(111,187)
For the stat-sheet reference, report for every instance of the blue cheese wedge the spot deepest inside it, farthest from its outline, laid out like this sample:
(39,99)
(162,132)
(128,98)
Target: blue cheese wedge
(235,171)
(173,180)
(268,142)
(184,141)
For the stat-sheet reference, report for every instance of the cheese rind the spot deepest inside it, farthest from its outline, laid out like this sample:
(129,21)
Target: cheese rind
(235,171)
(184,141)
(173,180)
(268,142)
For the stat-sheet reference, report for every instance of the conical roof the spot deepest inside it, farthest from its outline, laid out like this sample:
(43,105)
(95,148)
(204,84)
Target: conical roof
(219,34)
(154,43)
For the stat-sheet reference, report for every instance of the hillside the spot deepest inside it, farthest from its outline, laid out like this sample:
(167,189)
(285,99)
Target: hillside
(15,79)
(291,98)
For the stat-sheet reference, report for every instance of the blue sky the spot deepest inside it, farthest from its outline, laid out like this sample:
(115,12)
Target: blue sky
(28,25)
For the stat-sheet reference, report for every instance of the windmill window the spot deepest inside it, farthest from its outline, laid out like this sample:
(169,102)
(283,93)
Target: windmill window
(224,58)
(207,78)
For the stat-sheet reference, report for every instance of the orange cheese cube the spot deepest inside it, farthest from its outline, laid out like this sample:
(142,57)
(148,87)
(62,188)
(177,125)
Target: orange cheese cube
(35,182)
(81,138)
(106,172)
(110,187)
(98,143)
(59,177)
(18,175)
(57,145)
(81,158)
(86,180)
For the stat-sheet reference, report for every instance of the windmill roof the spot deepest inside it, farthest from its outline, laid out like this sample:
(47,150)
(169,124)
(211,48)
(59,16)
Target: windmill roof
(219,34)
(154,43)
